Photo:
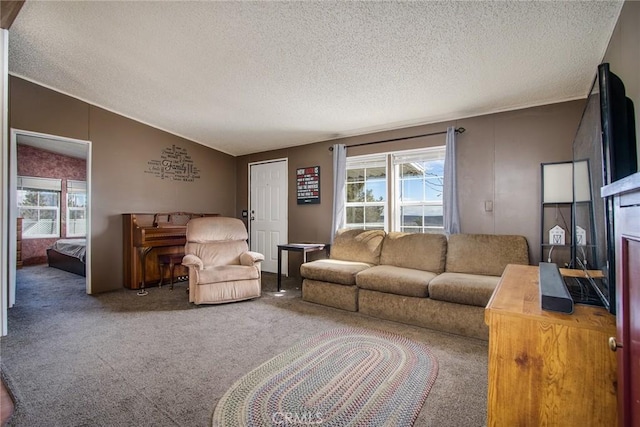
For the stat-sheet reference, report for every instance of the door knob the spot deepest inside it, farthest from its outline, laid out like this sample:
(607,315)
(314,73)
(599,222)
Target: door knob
(613,344)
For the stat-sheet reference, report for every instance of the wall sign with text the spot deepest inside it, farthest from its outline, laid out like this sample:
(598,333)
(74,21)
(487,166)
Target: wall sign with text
(308,185)
(174,164)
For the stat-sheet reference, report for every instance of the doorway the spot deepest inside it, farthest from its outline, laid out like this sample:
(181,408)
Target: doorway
(268,211)
(68,147)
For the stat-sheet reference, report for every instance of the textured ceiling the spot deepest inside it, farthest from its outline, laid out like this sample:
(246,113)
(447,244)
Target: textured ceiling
(245,77)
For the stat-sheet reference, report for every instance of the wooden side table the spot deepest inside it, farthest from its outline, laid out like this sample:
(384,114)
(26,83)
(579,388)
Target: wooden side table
(305,248)
(172,260)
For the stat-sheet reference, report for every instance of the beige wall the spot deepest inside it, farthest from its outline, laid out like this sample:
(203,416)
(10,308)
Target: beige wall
(499,159)
(121,149)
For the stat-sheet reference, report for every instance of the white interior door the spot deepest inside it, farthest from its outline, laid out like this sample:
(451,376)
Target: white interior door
(268,211)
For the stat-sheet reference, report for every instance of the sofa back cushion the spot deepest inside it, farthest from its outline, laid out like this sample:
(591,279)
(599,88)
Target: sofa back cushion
(426,252)
(485,254)
(358,245)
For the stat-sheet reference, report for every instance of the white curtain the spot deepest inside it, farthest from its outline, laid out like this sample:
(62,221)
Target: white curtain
(339,178)
(450,195)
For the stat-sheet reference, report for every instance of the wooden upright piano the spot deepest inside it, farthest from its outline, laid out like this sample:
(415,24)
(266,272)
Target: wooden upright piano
(147,235)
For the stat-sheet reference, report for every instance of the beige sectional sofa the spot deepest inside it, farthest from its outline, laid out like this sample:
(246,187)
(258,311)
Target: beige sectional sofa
(420,279)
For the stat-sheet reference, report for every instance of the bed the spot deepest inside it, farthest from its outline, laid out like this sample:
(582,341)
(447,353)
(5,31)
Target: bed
(68,255)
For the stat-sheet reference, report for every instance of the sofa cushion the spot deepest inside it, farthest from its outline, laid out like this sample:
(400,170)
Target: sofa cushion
(226,273)
(333,270)
(461,288)
(330,294)
(358,245)
(425,252)
(444,316)
(395,280)
(485,254)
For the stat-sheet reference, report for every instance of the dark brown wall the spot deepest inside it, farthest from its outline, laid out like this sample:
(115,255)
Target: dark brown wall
(34,108)
(121,149)
(499,159)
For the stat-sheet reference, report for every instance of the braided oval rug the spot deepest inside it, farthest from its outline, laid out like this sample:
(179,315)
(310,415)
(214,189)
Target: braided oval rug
(341,377)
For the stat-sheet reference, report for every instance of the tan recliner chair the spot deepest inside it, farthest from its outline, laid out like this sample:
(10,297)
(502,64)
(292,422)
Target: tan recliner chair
(221,267)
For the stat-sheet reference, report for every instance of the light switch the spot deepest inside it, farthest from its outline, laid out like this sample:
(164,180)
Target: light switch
(488,205)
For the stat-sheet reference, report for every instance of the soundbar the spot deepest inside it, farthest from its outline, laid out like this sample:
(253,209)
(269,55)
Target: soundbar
(554,295)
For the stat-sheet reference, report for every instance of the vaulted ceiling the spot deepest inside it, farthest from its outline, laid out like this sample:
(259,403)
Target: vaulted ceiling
(245,77)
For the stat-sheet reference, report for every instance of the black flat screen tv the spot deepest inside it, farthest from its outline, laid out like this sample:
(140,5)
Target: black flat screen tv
(604,151)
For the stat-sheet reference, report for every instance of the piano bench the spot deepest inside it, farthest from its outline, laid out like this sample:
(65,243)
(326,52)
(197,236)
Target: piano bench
(172,260)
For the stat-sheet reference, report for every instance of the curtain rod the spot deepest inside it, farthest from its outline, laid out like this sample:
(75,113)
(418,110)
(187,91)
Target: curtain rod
(458,130)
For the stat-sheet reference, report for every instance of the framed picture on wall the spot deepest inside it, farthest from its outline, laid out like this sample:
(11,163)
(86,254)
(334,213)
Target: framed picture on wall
(308,185)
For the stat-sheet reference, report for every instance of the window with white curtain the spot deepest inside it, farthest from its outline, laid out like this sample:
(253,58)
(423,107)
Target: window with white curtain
(406,184)
(76,208)
(39,206)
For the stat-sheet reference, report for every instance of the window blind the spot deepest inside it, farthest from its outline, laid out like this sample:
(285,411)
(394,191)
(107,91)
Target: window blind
(35,183)
(359,162)
(76,186)
(414,156)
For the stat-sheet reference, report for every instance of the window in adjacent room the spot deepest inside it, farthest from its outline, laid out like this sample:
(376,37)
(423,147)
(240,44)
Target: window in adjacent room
(76,208)
(408,184)
(39,206)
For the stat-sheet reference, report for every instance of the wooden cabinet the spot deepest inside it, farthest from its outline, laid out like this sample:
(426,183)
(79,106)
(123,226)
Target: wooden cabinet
(547,368)
(626,198)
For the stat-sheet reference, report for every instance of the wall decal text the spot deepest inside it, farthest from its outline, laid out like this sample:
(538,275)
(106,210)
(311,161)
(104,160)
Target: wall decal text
(174,164)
